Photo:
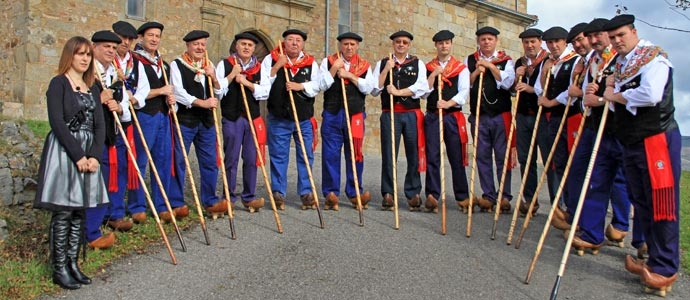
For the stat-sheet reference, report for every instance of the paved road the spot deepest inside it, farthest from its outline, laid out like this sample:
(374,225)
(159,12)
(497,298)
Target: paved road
(345,261)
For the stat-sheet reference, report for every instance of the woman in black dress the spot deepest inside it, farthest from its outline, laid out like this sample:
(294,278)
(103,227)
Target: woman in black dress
(70,177)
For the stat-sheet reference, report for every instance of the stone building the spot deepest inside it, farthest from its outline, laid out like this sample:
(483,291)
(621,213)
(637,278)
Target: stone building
(34,31)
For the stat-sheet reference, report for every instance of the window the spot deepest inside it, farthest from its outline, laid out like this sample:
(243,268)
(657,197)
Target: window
(344,16)
(136,9)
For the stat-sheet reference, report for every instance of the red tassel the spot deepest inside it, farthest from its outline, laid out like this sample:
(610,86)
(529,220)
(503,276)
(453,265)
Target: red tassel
(573,126)
(260,129)
(421,141)
(112,163)
(462,131)
(132,176)
(315,132)
(357,126)
(661,178)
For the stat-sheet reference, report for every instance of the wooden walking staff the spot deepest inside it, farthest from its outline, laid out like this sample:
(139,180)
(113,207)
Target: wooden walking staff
(533,264)
(301,141)
(501,185)
(509,240)
(261,160)
(580,201)
(441,143)
(393,160)
(352,152)
(474,154)
(221,154)
(188,167)
(533,201)
(153,169)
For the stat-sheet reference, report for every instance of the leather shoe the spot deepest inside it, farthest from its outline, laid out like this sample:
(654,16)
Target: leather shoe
(387,203)
(183,211)
(139,217)
(634,266)
(120,225)
(165,216)
(103,242)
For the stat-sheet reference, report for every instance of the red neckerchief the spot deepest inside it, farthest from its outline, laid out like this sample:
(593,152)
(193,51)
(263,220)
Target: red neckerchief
(128,69)
(408,59)
(358,65)
(535,62)
(306,60)
(190,62)
(249,72)
(452,68)
(145,60)
(501,57)
(565,58)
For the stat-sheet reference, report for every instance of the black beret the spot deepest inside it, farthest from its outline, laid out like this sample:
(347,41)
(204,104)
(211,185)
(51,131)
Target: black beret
(125,29)
(149,25)
(401,33)
(247,36)
(555,33)
(297,32)
(532,32)
(105,36)
(595,26)
(619,21)
(575,31)
(487,29)
(195,35)
(443,35)
(349,35)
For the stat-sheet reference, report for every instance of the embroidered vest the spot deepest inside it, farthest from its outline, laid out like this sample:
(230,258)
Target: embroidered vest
(232,104)
(495,100)
(279,98)
(403,77)
(191,117)
(333,97)
(527,103)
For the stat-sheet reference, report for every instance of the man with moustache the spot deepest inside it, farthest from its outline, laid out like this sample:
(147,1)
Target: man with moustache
(528,68)
(355,72)
(241,70)
(641,92)
(455,81)
(154,121)
(192,76)
(303,83)
(494,116)
(408,86)
(561,68)
(113,164)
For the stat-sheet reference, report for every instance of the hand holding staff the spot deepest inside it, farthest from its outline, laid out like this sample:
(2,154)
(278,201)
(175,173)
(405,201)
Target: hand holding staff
(393,160)
(301,141)
(352,152)
(474,154)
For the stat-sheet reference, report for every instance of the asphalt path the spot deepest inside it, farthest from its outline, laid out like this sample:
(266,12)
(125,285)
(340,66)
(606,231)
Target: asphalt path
(346,261)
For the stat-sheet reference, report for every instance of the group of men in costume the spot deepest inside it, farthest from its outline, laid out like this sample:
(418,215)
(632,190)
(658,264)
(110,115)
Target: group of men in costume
(608,74)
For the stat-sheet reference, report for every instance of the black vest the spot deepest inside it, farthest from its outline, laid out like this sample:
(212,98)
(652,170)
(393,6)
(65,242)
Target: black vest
(403,76)
(159,103)
(232,104)
(559,84)
(527,104)
(279,98)
(494,100)
(447,92)
(631,129)
(594,119)
(191,116)
(333,96)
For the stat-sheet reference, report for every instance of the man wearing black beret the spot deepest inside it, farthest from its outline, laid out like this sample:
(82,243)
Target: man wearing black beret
(578,39)
(242,70)
(192,76)
(348,68)
(642,95)
(455,85)
(303,83)
(527,70)
(152,113)
(408,86)
(494,118)
(561,70)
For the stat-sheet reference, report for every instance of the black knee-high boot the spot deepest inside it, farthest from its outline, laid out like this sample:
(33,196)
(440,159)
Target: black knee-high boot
(76,238)
(59,232)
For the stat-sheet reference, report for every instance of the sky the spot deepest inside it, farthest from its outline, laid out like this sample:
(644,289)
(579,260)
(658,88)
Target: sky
(567,13)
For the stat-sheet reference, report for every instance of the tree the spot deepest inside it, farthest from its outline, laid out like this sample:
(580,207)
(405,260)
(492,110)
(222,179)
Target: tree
(680,5)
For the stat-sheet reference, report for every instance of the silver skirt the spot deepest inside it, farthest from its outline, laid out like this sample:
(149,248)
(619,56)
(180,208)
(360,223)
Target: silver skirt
(61,185)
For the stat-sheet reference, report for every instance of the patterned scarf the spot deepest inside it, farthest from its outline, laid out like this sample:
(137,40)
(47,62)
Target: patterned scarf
(305,61)
(643,54)
(198,67)
(452,68)
(531,65)
(251,69)
(501,57)
(358,65)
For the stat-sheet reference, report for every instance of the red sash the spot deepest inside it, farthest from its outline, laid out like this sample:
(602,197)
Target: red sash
(462,131)
(112,163)
(661,177)
(357,126)
(452,69)
(315,133)
(358,65)
(260,129)
(573,126)
(132,176)
(305,61)
(508,123)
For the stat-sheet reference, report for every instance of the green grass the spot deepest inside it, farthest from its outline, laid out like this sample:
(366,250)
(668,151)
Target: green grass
(40,128)
(685,220)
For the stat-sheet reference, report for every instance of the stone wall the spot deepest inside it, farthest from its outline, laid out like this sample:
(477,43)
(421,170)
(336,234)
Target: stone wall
(19,158)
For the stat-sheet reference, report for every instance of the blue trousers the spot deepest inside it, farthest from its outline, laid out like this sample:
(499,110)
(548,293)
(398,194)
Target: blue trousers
(662,237)
(280,133)
(491,145)
(157,132)
(204,139)
(524,129)
(406,128)
(237,138)
(334,136)
(451,136)
(560,155)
